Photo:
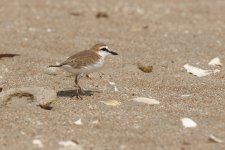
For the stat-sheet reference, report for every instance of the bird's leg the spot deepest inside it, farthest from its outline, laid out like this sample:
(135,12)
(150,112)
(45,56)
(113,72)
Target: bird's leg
(76,83)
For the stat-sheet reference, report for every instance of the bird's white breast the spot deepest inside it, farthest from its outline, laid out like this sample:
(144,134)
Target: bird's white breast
(93,67)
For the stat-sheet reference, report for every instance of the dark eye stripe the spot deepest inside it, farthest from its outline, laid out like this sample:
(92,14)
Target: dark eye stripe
(105,49)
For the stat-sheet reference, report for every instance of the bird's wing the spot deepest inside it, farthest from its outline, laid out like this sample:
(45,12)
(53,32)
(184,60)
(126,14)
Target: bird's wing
(81,59)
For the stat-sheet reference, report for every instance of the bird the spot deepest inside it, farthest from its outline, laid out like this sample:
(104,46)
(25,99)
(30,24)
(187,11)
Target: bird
(85,62)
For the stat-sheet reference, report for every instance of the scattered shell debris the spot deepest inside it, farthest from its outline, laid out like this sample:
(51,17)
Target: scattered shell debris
(78,122)
(144,68)
(215,62)
(113,84)
(111,103)
(38,143)
(149,101)
(70,145)
(188,123)
(198,71)
(37,96)
(215,139)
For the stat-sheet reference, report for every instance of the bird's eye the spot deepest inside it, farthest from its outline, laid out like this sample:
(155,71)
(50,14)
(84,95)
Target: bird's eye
(104,49)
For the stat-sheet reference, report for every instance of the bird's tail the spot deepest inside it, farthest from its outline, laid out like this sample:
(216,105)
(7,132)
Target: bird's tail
(55,65)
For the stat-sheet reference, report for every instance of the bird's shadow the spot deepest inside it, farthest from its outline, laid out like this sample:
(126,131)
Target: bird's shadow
(75,93)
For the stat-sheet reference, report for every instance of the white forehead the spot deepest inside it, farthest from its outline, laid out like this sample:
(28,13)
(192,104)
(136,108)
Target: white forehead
(103,47)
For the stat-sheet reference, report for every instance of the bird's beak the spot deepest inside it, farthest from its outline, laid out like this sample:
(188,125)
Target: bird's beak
(113,53)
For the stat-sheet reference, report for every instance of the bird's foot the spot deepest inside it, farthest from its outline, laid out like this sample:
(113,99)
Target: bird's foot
(80,93)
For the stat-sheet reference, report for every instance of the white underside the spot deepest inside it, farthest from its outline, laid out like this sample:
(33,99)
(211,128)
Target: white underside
(85,69)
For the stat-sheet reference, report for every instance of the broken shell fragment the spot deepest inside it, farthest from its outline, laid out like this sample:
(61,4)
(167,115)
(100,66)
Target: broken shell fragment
(150,101)
(78,122)
(111,103)
(212,138)
(69,145)
(215,62)
(197,71)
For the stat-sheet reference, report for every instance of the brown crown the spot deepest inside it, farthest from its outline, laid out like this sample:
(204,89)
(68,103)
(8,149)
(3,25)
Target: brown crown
(96,47)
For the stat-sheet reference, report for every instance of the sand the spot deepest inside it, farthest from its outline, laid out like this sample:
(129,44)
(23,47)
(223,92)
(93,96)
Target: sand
(163,34)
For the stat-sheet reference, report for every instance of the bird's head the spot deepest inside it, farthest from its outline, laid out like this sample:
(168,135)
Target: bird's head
(103,50)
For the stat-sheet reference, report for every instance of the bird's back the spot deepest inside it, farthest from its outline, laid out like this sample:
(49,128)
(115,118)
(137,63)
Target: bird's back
(81,59)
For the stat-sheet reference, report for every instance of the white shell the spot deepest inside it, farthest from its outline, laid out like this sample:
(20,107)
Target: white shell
(188,123)
(150,101)
(78,122)
(197,71)
(215,62)
(215,139)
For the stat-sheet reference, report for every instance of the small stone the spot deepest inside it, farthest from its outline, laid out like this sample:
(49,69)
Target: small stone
(144,68)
